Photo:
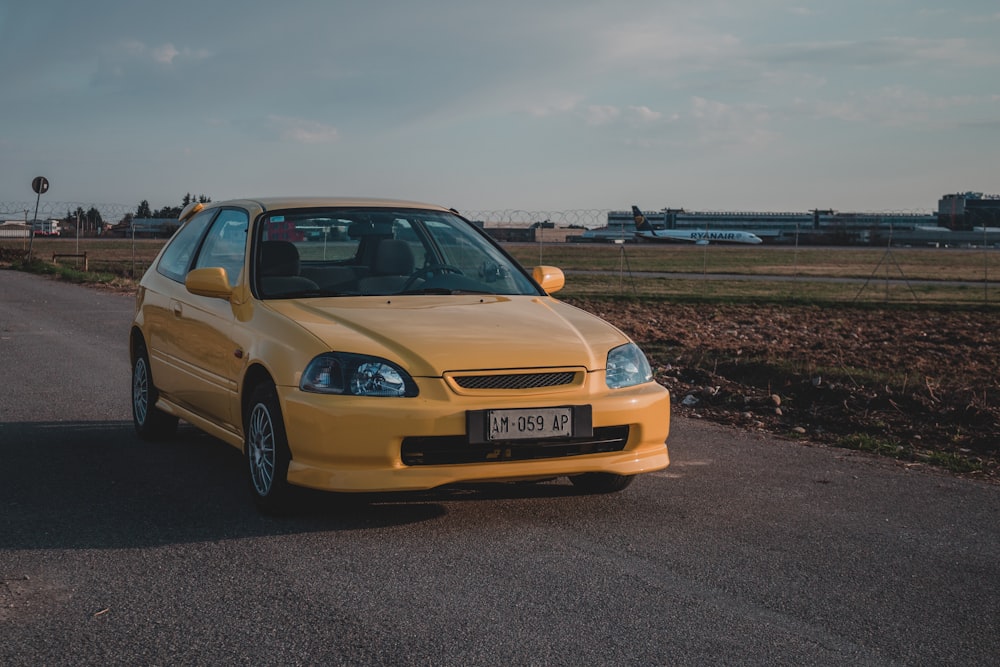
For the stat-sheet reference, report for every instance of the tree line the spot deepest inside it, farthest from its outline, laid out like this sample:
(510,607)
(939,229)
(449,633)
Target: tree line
(143,210)
(91,219)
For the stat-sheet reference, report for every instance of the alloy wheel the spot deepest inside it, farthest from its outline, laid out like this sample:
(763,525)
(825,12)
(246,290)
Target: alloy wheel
(140,390)
(261,450)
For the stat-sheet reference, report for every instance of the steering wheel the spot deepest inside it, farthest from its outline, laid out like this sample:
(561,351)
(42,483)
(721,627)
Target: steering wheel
(430,270)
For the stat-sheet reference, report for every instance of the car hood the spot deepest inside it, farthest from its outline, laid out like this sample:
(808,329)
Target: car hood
(432,335)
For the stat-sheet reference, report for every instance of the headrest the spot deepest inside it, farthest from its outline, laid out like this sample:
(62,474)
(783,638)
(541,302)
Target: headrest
(279,258)
(393,258)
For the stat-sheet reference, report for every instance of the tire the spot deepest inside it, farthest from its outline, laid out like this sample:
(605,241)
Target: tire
(150,422)
(601,482)
(266,447)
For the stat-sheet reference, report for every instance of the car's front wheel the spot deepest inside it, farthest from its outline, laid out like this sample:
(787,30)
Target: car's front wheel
(267,453)
(150,422)
(601,482)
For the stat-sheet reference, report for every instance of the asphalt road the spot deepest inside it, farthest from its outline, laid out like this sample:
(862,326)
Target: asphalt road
(747,550)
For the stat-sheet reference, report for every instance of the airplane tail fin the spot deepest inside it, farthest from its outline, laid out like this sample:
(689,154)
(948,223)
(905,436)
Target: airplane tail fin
(641,224)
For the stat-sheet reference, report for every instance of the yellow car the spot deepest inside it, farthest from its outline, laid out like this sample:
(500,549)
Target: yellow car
(372,345)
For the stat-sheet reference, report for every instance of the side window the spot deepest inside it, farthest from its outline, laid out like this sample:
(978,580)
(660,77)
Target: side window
(180,250)
(225,244)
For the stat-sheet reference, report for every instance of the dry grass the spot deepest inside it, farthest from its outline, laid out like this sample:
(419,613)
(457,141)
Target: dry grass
(625,270)
(914,264)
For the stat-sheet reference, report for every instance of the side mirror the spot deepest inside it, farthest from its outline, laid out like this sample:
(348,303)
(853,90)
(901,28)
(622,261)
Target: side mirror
(549,277)
(211,282)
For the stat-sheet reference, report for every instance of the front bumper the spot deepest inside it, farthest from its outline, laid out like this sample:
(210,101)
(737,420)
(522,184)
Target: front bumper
(356,444)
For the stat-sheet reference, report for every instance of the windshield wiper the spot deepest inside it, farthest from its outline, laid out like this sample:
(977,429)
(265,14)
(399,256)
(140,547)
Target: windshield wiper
(430,290)
(301,294)
(443,290)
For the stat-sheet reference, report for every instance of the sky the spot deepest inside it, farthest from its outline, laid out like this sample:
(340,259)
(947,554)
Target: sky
(540,105)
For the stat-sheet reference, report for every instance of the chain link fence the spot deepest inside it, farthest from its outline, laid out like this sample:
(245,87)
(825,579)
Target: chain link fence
(579,218)
(112,213)
(22,210)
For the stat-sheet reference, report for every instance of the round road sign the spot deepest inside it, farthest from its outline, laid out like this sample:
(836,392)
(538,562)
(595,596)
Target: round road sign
(40,185)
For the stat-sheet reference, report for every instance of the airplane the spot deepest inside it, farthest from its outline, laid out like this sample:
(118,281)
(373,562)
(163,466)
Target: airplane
(644,230)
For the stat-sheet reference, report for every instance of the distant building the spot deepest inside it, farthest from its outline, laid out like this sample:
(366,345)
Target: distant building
(46,227)
(14,229)
(967,210)
(969,218)
(157,228)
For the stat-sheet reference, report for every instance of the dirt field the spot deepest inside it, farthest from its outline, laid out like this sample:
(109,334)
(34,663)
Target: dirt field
(917,385)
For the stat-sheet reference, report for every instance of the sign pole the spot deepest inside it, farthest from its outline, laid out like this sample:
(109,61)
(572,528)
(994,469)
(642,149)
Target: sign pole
(39,184)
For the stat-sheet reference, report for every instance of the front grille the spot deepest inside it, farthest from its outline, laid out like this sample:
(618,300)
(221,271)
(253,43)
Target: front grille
(430,450)
(515,381)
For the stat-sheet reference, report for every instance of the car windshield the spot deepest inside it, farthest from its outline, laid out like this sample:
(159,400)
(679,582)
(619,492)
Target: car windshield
(378,251)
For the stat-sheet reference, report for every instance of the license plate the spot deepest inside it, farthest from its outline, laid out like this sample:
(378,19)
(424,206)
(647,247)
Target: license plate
(561,421)
(523,424)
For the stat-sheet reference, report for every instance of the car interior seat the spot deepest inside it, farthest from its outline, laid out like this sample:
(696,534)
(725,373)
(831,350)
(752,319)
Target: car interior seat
(279,258)
(279,269)
(392,267)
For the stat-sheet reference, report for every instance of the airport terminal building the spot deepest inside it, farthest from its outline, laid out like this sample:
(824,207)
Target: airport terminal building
(963,219)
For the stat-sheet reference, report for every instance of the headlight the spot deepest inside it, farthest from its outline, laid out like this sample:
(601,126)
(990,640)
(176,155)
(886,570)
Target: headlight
(627,366)
(356,375)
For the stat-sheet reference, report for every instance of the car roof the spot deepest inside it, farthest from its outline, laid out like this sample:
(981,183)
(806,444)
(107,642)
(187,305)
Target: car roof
(275,203)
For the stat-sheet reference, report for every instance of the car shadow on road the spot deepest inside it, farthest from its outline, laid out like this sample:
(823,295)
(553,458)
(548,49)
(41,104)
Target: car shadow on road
(96,485)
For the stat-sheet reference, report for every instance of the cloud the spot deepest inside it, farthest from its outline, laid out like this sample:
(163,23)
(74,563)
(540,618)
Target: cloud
(131,64)
(907,51)
(552,104)
(897,106)
(302,131)
(131,51)
(643,114)
(988,18)
(165,54)
(601,114)
(651,47)
(731,124)
(633,115)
